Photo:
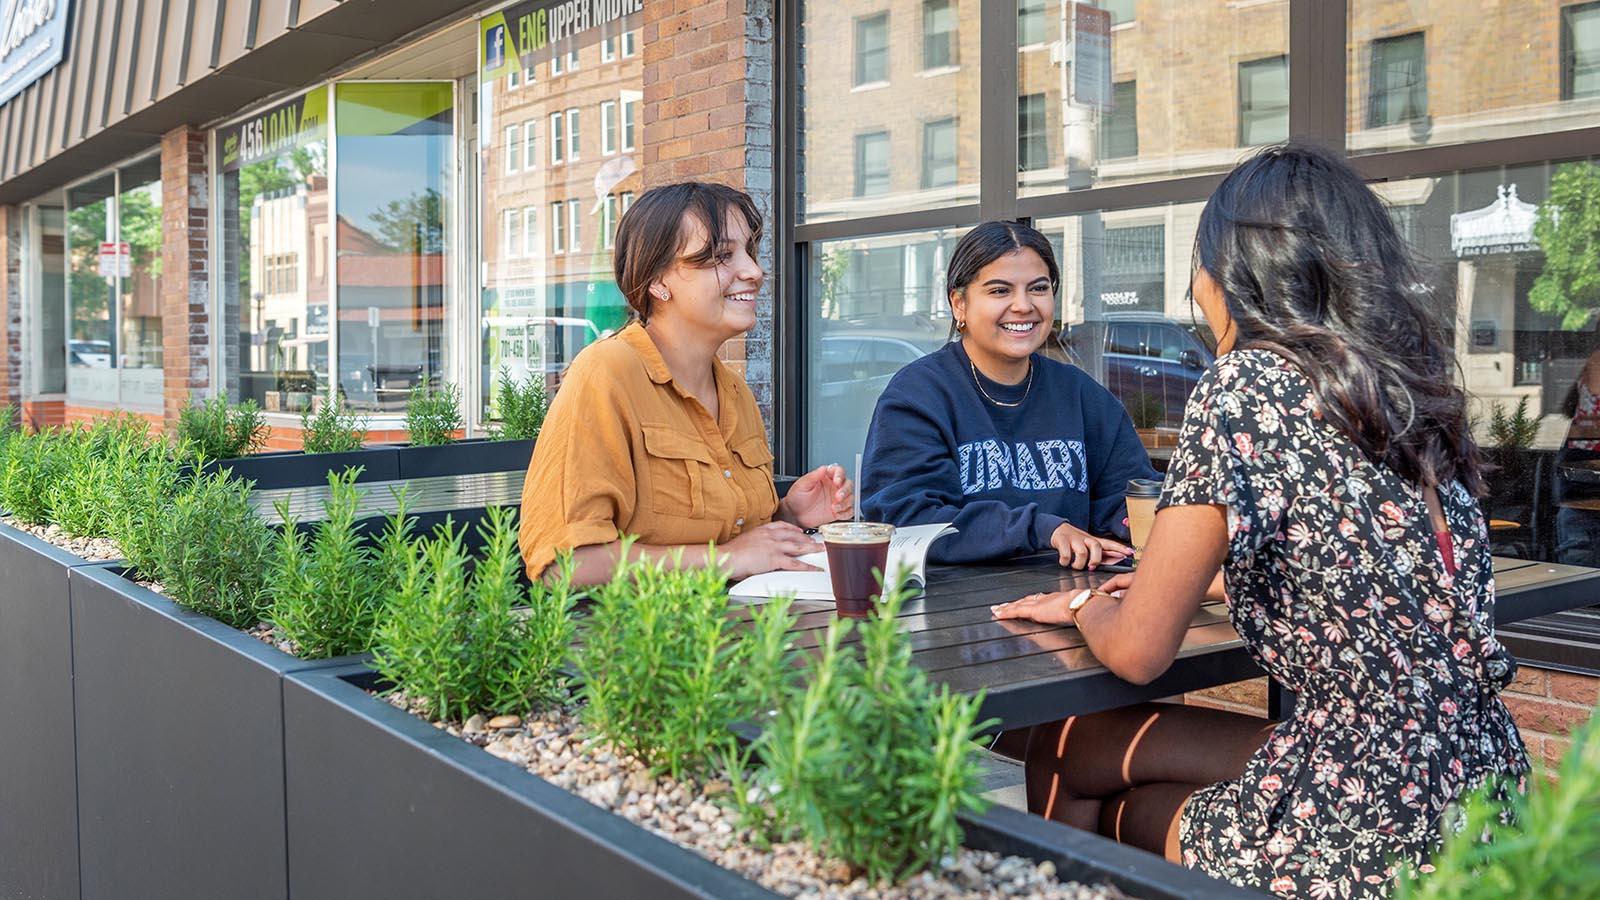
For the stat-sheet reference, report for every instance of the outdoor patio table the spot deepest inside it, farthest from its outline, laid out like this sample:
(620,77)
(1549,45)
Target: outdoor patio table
(1037,673)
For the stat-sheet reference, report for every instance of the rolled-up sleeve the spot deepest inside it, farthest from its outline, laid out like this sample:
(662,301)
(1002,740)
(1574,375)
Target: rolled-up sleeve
(581,481)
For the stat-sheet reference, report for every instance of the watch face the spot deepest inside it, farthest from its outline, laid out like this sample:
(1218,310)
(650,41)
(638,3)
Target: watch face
(1080,600)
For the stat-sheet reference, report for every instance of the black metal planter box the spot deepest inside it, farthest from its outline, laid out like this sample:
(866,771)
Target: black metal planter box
(180,748)
(38,781)
(382,804)
(273,471)
(467,457)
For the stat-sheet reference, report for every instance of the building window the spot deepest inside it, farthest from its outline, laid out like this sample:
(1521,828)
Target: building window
(1264,101)
(527,75)
(627,201)
(513,147)
(608,127)
(530,144)
(574,226)
(939,153)
(630,115)
(512,79)
(556,66)
(872,49)
(628,46)
(572,134)
(939,48)
(1121,10)
(558,229)
(513,245)
(530,230)
(1119,126)
(1032,27)
(558,142)
(608,50)
(1580,51)
(1033,138)
(608,221)
(572,61)
(872,164)
(1399,86)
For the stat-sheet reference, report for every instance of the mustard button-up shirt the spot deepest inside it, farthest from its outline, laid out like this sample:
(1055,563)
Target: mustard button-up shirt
(626,450)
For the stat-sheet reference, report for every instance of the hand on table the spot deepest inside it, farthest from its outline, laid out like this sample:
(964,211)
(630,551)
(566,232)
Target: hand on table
(768,548)
(1053,608)
(820,496)
(1081,550)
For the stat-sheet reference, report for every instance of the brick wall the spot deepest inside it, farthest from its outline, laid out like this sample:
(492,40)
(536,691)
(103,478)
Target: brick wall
(185,285)
(11,272)
(707,115)
(1546,704)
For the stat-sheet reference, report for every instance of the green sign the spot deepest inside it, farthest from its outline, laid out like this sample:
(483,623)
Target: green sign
(534,31)
(276,131)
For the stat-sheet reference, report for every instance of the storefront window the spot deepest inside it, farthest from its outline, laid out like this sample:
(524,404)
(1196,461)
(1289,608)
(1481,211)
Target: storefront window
(113,346)
(275,262)
(50,331)
(395,158)
(874,304)
(1424,74)
(541,306)
(880,88)
(1103,100)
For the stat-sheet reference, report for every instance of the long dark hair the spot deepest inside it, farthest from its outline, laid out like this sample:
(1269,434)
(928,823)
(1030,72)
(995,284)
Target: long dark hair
(1312,268)
(992,240)
(652,234)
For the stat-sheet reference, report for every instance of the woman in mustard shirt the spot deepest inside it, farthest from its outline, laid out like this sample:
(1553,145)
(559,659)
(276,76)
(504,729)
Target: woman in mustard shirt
(654,437)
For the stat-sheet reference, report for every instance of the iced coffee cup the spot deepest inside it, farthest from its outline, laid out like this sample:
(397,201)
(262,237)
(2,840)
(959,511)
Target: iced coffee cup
(1142,495)
(858,556)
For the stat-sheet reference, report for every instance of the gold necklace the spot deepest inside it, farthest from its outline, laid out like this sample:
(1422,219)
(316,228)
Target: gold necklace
(1018,402)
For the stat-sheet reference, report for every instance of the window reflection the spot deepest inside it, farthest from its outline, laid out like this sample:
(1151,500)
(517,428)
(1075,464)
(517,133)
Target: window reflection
(92,291)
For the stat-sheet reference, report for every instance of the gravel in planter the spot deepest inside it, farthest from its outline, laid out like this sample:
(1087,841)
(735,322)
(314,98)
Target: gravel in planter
(97,548)
(553,746)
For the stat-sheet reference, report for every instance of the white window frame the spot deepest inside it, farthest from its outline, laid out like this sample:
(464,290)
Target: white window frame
(530,145)
(608,222)
(572,60)
(556,68)
(608,127)
(513,79)
(530,230)
(558,139)
(574,226)
(509,227)
(574,134)
(513,147)
(629,125)
(608,49)
(627,204)
(630,44)
(558,230)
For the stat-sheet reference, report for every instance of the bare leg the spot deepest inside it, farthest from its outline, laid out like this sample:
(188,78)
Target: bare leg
(1127,772)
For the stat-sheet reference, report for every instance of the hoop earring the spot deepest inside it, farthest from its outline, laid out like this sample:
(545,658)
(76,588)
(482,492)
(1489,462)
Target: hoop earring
(961,325)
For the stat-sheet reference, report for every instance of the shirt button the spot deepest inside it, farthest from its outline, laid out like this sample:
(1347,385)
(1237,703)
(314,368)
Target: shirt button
(727,473)
(738,521)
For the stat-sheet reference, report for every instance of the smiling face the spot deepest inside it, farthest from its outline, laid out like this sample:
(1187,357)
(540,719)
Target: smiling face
(716,299)
(1008,309)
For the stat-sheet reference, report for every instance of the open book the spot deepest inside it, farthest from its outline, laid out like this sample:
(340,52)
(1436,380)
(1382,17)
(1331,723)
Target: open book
(908,548)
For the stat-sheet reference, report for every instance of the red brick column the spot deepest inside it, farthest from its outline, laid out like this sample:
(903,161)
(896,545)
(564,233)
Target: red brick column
(11,275)
(185,282)
(707,115)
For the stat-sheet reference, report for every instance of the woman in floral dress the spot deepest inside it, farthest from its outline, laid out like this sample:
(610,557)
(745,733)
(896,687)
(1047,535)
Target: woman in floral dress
(1325,466)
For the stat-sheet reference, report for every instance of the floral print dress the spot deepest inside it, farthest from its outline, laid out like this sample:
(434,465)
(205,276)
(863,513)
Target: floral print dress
(1337,584)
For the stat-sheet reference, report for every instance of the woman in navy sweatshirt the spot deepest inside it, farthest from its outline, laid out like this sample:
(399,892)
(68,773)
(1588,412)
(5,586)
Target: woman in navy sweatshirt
(1021,452)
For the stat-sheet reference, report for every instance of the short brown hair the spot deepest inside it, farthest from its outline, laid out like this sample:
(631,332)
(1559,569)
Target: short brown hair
(651,234)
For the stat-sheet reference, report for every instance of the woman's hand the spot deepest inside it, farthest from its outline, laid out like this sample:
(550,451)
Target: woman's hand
(1081,550)
(1046,609)
(768,548)
(820,496)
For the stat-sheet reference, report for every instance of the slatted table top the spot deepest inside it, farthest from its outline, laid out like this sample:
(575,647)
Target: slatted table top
(424,495)
(1036,673)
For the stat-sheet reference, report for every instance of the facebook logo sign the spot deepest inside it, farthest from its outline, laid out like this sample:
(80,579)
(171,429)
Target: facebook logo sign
(494,47)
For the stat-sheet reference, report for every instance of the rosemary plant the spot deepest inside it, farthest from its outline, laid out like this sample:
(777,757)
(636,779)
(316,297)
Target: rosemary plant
(34,463)
(433,416)
(460,643)
(327,588)
(520,406)
(214,429)
(866,760)
(334,428)
(660,671)
(210,550)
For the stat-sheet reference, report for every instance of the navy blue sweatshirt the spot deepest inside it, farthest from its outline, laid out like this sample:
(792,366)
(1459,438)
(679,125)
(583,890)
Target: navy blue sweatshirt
(938,451)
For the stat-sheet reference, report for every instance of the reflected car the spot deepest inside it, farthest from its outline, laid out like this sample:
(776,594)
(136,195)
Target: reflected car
(852,368)
(93,354)
(1149,361)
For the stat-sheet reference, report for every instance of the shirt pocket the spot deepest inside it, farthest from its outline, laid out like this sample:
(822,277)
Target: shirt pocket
(675,462)
(754,453)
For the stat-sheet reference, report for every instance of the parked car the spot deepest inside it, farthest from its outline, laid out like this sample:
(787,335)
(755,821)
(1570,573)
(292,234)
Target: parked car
(1150,362)
(94,354)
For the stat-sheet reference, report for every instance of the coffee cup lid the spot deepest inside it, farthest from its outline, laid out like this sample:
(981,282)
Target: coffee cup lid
(1144,487)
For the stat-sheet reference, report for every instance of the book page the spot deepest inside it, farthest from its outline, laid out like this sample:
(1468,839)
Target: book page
(908,547)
